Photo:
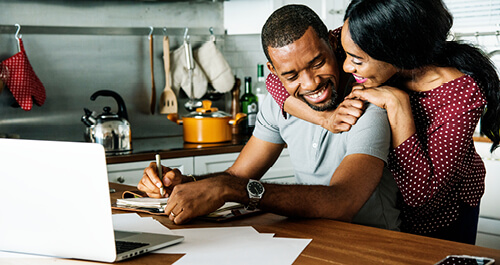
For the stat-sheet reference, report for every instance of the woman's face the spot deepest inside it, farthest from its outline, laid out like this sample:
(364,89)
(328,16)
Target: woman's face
(365,69)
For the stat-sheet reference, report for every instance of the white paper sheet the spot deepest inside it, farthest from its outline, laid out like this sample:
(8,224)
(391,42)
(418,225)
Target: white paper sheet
(277,251)
(135,223)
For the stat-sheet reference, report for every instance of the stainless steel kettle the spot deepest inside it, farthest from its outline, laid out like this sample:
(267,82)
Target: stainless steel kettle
(109,129)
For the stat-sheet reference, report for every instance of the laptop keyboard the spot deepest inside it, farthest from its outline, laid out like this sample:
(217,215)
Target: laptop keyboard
(124,246)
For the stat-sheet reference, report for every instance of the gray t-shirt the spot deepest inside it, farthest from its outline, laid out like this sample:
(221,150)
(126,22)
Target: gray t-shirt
(316,153)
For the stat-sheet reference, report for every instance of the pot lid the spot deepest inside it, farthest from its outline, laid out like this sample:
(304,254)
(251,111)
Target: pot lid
(107,115)
(206,111)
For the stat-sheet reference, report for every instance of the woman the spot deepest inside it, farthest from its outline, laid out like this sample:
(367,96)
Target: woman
(434,92)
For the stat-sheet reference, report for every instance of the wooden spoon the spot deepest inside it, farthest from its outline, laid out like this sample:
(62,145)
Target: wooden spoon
(168,100)
(152,104)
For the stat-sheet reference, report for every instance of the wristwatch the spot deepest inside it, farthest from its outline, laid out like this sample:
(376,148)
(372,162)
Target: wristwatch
(255,191)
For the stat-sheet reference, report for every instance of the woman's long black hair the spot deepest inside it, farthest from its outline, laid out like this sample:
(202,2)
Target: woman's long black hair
(411,34)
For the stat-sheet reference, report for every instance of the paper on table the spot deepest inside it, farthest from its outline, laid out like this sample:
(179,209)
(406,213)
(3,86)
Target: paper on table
(276,251)
(198,239)
(222,245)
(136,223)
(234,245)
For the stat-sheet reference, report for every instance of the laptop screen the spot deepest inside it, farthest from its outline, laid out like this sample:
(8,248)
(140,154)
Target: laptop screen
(55,199)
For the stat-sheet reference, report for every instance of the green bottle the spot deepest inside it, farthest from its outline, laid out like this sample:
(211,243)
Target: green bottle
(249,106)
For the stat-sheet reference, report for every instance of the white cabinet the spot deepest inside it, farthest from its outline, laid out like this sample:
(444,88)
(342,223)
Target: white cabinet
(330,11)
(248,16)
(131,173)
(213,163)
(489,215)
(281,172)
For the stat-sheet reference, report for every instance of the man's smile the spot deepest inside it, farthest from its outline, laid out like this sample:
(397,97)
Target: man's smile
(315,94)
(321,94)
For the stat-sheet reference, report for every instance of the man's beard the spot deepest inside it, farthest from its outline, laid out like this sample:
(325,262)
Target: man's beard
(329,105)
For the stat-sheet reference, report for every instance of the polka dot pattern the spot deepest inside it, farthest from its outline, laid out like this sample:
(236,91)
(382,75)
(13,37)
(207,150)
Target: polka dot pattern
(438,167)
(22,81)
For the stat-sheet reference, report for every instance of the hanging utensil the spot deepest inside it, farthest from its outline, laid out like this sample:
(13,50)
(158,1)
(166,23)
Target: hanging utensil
(191,104)
(152,104)
(4,75)
(168,100)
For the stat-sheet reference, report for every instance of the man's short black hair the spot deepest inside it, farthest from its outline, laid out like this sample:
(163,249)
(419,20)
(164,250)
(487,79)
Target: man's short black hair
(288,24)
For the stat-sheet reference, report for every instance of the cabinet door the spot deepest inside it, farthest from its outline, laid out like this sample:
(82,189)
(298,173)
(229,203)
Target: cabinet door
(213,163)
(281,172)
(488,234)
(491,197)
(131,173)
(238,21)
(330,11)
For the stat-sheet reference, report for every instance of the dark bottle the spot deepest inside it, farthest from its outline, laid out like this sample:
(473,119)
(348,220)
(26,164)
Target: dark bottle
(249,106)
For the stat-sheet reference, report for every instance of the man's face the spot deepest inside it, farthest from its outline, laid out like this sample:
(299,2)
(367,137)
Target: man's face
(308,70)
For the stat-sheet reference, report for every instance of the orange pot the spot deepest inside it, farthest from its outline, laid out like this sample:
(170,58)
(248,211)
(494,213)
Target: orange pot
(207,124)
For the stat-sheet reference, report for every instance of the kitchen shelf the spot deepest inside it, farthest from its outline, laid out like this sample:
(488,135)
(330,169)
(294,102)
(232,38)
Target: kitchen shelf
(477,34)
(124,31)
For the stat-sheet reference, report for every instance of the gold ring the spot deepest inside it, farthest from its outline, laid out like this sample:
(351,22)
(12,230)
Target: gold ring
(172,213)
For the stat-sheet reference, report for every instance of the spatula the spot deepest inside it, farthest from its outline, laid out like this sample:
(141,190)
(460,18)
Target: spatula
(168,100)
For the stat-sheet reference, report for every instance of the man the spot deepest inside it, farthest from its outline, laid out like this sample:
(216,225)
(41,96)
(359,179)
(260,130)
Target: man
(339,176)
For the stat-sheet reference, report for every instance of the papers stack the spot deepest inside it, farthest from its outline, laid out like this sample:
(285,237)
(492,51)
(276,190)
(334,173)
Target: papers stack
(221,245)
(144,203)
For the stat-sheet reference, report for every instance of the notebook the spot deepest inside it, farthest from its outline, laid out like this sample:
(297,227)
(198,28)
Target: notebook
(56,202)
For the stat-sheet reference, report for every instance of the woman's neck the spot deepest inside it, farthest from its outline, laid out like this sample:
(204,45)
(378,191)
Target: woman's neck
(430,77)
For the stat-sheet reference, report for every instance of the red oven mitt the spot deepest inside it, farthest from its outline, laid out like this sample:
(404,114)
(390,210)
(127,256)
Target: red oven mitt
(22,81)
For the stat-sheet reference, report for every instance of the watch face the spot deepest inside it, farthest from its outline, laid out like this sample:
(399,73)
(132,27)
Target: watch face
(255,187)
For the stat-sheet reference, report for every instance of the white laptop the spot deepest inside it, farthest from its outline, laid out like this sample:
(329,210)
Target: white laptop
(56,202)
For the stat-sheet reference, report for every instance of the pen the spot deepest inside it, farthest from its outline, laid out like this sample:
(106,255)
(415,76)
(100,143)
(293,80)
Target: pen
(160,174)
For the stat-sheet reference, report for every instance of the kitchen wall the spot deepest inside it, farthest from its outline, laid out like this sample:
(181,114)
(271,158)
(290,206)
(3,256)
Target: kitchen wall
(72,67)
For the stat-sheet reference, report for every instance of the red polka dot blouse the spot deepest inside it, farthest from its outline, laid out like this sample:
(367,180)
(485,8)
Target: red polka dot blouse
(438,167)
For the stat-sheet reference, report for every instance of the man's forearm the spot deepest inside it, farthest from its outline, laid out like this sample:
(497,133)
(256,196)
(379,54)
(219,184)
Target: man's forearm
(310,201)
(192,178)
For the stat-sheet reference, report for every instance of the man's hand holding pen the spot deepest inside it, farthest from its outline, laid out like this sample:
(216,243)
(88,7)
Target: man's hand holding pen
(151,182)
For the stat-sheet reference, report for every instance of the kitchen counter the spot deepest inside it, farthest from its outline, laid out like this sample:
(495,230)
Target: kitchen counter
(175,147)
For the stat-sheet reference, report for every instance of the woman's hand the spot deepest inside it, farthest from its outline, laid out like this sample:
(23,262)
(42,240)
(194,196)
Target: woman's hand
(151,182)
(385,97)
(397,104)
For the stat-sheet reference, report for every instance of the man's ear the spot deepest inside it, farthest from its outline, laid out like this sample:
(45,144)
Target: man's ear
(271,68)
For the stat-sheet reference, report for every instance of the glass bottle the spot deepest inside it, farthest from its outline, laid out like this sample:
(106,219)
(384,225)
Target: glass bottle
(260,86)
(249,106)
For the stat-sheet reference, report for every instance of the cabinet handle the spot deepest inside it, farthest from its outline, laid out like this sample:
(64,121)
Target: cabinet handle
(121,179)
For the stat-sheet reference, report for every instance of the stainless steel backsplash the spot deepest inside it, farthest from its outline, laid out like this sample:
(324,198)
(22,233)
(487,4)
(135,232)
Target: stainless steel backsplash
(72,67)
